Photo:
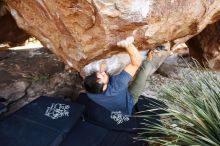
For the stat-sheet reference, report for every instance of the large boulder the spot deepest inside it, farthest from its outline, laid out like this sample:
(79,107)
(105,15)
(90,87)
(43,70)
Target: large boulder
(29,73)
(81,31)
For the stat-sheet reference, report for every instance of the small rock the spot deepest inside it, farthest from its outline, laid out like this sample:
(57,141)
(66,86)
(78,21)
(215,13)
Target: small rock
(170,71)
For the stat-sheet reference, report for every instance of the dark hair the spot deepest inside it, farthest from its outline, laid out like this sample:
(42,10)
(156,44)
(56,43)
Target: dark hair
(91,84)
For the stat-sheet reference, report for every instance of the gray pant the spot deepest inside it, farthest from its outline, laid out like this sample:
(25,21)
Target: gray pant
(138,84)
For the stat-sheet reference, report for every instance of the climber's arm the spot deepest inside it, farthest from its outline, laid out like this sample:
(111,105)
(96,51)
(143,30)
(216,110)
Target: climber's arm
(134,55)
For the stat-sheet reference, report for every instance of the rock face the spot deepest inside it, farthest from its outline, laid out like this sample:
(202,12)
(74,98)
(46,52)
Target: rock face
(9,31)
(205,47)
(81,31)
(28,74)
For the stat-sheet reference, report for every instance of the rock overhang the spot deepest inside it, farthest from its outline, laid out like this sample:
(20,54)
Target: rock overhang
(83,31)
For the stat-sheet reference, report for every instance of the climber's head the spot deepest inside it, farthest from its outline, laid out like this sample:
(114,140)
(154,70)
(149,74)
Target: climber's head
(97,82)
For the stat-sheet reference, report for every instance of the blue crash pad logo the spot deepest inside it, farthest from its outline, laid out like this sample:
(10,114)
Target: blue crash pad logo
(57,110)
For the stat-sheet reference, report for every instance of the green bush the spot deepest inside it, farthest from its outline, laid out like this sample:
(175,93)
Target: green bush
(193,113)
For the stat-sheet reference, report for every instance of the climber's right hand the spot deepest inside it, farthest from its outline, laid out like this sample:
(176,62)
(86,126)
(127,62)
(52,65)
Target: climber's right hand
(126,43)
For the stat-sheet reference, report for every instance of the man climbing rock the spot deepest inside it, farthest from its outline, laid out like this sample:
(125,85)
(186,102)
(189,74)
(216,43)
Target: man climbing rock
(114,92)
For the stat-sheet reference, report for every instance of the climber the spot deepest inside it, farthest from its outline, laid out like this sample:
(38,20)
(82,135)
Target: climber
(114,93)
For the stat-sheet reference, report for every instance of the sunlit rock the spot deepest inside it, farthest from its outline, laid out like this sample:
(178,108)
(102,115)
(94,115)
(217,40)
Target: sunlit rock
(82,31)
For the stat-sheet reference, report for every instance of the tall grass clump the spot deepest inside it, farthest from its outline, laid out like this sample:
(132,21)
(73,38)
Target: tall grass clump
(193,112)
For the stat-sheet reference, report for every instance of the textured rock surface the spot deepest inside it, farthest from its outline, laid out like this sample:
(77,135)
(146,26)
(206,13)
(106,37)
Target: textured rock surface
(81,31)
(117,63)
(28,74)
(205,47)
(9,31)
